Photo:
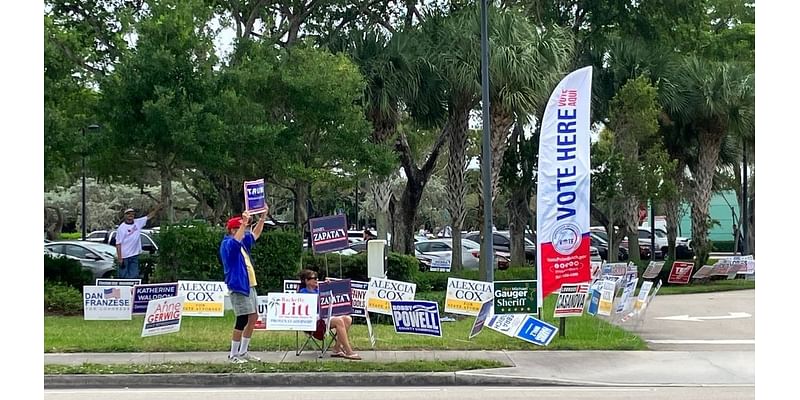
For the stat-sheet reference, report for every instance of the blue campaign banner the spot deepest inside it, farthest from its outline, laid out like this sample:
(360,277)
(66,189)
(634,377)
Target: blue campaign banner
(329,233)
(594,303)
(416,317)
(142,294)
(537,332)
(255,200)
(341,298)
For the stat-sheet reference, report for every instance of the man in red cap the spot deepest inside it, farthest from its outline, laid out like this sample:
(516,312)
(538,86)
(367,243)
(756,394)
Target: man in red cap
(240,277)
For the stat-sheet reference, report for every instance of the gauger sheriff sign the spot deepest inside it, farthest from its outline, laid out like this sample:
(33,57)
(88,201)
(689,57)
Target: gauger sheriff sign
(515,297)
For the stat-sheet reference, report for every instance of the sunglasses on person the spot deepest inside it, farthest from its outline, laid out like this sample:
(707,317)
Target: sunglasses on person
(311,277)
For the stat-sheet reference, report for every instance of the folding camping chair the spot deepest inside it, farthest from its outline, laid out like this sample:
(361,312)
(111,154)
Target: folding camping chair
(322,338)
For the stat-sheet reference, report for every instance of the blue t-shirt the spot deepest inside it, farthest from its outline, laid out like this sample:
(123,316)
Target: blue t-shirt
(233,262)
(305,290)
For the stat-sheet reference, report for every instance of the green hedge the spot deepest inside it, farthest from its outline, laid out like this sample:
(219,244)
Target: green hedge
(69,236)
(400,267)
(66,271)
(192,253)
(62,299)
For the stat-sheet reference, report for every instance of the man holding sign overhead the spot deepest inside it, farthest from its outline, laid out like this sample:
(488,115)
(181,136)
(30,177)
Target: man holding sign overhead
(240,277)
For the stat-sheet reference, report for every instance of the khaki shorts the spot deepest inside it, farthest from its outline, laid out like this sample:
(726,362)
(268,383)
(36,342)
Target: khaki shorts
(244,305)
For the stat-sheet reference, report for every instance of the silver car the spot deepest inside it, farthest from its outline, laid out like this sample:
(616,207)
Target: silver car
(98,258)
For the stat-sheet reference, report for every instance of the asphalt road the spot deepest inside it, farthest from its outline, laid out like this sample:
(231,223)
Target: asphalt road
(413,393)
(703,321)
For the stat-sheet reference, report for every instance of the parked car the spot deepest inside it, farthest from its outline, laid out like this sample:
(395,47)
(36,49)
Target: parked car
(644,248)
(148,244)
(683,247)
(602,248)
(470,254)
(501,241)
(98,258)
(97,236)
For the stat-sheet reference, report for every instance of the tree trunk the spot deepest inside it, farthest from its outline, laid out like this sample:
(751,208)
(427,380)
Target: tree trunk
(405,217)
(518,218)
(630,226)
(301,191)
(381,195)
(672,210)
(53,231)
(166,194)
(456,189)
(708,154)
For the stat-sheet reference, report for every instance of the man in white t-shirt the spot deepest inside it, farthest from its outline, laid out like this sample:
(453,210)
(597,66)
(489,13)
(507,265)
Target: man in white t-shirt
(129,243)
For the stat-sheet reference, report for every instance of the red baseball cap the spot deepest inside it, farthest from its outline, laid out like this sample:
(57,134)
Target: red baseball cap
(234,223)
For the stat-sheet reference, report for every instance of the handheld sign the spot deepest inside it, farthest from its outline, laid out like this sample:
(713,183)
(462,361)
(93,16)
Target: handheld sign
(340,299)
(329,233)
(255,200)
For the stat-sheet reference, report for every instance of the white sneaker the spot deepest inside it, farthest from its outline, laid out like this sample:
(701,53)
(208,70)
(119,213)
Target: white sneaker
(248,357)
(236,359)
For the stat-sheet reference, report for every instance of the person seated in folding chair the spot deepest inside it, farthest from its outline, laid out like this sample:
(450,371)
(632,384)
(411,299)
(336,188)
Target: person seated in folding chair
(341,324)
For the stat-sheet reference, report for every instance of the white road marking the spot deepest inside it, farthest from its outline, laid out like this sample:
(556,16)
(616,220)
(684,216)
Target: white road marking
(704,341)
(731,315)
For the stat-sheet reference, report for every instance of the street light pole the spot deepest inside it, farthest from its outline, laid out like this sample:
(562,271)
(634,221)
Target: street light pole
(83,178)
(486,151)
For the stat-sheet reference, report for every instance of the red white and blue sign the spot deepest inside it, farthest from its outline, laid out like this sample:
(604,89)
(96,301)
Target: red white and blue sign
(417,317)
(255,199)
(329,233)
(341,297)
(480,320)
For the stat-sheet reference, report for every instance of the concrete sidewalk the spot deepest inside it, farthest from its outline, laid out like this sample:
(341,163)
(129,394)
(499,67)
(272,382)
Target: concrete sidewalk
(526,368)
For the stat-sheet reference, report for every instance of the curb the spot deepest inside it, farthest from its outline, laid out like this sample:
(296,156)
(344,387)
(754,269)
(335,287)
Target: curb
(287,379)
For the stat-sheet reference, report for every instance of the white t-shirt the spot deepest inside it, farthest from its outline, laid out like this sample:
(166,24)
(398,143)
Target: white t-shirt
(129,237)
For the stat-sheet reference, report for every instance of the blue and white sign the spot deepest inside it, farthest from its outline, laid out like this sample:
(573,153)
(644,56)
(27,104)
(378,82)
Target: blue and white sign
(329,233)
(536,331)
(594,302)
(416,317)
(142,294)
(440,264)
(255,200)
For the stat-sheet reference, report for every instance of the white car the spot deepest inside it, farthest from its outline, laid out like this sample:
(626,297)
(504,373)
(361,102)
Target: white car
(443,247)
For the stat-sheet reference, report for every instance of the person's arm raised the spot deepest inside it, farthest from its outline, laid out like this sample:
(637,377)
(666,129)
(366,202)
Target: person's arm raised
(260,225)
(239,235)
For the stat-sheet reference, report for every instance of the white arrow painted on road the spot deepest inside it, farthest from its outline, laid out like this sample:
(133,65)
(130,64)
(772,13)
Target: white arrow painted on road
(731,315)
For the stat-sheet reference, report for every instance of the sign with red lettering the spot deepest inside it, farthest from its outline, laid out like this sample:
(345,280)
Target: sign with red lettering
(681,272)
(291,312)
(163,316)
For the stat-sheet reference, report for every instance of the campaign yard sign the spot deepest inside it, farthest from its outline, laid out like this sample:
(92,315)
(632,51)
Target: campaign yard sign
(117,282)
(329,233)
(291,312)
(203,298)
(381,292)
(484,314)
(515,297)
(618,269)
(340,299)
(163,316)
(106,303)
(261,322)
(523,327)
(594,302)
(703,272)
(537,332)
(571,300)
(641,300)
(653,269)
(358,291)
(255,200)
(466,297)
(416,317)
(291,285)
(681,272)
(720,268)
(440,264)
(597,268)
(627,294)
(143,294)
(606,297)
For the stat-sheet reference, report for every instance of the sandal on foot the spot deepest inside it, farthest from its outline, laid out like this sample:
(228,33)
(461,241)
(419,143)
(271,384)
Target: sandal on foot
(353,356)
(337,354)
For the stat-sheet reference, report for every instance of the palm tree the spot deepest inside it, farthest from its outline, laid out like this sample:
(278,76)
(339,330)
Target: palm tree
(391,76)
(710,100)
